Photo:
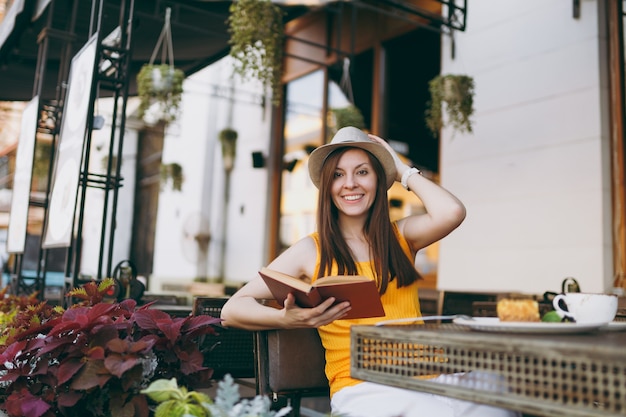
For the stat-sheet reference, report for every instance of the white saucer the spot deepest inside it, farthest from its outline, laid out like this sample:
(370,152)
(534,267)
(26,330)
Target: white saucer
(493,324)
(614,326)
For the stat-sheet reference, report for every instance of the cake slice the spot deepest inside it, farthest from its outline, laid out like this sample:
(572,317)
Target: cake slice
(518,310)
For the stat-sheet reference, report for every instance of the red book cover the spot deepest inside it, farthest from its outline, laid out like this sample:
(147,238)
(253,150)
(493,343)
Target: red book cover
(360,291)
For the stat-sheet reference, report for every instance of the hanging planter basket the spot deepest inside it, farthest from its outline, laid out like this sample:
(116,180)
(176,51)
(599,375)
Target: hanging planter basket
(256,43)
(453,94)
(160,86)
(350,115)
(172,175)
(339,117)
(228,139)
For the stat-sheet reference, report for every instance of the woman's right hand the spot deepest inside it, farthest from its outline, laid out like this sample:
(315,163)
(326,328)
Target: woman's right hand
(324,313)
(400,166)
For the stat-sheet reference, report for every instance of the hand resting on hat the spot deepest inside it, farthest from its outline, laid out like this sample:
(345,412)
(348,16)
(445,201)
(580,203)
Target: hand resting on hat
(401,167)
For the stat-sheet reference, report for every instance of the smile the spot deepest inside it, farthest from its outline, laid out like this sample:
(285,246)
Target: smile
(353,197)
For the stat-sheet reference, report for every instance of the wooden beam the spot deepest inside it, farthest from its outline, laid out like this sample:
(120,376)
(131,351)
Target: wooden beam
(616,91)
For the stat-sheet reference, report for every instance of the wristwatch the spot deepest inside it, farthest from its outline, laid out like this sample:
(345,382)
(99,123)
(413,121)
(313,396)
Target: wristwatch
(407,174)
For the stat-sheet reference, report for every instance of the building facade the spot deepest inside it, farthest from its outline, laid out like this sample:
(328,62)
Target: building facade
(542,174)
(538,174)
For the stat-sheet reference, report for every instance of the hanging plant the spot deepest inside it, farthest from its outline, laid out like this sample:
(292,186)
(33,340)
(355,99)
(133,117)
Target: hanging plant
(257,37)
(160,86)
(172,173)
(228,139)
(456,94)
(104,162)
(345,116)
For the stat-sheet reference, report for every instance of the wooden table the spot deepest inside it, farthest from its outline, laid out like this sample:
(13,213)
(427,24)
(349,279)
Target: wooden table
(548,375)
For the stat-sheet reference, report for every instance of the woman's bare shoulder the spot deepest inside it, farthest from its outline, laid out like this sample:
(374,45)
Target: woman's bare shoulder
(299,259)
(307,243)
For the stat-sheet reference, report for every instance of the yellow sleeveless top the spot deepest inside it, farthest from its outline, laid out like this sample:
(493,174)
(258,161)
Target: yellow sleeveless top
(397,302)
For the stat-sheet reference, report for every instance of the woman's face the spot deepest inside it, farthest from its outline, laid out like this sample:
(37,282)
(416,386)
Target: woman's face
(354,183)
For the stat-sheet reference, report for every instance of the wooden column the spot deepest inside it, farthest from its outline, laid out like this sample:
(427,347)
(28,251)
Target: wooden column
(616,89)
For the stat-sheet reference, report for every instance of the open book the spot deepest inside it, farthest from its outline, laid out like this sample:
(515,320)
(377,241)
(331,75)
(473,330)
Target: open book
(360,291)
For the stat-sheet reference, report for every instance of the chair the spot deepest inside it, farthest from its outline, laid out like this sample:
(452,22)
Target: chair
(430,300)
(459,302)
(290,364)
(285,364)
(230,351)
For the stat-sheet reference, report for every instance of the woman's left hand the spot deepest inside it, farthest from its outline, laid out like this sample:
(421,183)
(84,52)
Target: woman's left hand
(325,313)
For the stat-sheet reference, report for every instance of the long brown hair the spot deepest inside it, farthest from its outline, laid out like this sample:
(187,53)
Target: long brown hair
(389,260)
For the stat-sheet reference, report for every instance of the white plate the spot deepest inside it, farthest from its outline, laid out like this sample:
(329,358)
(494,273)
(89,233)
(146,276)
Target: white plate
(493,324)
(614,326)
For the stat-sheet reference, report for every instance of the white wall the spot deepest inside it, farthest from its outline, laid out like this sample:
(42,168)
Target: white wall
(535,174)
(94,201)
(193,142)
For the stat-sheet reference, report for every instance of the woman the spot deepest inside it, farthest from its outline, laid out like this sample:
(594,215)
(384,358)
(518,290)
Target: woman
(356,236)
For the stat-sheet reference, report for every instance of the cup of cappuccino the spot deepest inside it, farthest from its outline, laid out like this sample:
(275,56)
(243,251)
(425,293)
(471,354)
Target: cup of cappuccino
(586,307)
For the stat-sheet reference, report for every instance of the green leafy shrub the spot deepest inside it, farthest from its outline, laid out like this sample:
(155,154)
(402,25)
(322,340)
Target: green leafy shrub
(175,401)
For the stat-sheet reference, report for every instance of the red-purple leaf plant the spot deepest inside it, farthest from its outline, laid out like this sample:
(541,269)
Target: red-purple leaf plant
(94,358)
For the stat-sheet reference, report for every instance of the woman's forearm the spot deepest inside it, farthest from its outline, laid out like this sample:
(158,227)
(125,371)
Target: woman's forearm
(245,312)
(439,203)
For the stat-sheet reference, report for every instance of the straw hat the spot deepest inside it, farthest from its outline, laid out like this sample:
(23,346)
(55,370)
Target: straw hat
(351,137)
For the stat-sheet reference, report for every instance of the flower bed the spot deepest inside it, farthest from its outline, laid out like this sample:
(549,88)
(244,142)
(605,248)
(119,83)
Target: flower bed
(94,358)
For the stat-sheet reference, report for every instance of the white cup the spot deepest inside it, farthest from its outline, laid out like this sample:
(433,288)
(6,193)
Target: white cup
(586,307)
